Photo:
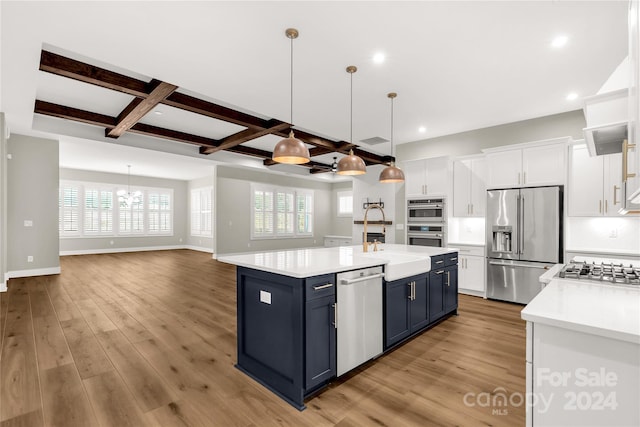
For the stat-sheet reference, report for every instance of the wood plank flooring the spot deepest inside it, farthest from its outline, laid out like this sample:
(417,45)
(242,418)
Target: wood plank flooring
(148,339)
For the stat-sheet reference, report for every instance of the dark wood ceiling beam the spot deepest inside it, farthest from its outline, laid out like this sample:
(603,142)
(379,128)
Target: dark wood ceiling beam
(139,107)
(247,135)
(209,109)
(74,114)
(86,73)
(101,120)
(319,151)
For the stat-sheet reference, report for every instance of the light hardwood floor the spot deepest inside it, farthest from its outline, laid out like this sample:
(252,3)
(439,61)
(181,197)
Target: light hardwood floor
(148,339)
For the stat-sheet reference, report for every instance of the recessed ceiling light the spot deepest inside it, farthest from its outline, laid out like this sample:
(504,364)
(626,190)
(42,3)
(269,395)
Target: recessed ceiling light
(378,58)
(572,96)
(559,41)
(422,129)
(159,113)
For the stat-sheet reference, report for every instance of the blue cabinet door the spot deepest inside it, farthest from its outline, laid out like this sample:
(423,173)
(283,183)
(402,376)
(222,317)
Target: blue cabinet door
(451,289)
(420,303)
(396,311)
(436,294)
(320,343)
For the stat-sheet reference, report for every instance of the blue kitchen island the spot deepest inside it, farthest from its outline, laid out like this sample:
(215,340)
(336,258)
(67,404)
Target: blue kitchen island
(297,309)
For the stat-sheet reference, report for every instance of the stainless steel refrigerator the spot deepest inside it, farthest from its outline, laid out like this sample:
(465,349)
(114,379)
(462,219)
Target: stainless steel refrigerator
(524,238)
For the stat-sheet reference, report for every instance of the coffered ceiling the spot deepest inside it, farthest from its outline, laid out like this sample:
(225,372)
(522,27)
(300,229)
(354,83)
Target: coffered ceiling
(456,66)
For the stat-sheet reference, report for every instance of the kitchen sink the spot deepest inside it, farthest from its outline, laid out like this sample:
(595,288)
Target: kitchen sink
(401,265)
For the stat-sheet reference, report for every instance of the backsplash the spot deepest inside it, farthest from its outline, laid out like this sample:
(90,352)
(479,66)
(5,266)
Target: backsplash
(466,230)
(604,234)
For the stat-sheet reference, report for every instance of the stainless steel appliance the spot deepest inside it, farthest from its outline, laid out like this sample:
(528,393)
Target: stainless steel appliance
(524,237)
(603,272)
(359,317)
(426,210)
(426,234)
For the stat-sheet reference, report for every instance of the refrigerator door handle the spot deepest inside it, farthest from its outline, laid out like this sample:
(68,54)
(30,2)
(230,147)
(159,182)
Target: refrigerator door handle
(521,228)
(517,264)
(518,212)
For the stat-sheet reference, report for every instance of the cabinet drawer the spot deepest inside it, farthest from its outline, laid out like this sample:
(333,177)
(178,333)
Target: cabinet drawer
(320,286)
(437,262)
(469,250)
(451,259)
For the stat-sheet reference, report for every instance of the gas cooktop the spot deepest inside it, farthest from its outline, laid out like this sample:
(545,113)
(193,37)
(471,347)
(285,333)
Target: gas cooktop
(601,272)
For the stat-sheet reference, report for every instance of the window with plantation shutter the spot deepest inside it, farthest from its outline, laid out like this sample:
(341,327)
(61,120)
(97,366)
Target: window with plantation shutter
(201,212)
(345,203)
(281,212)
(160,212)
(69,210)
(88,209)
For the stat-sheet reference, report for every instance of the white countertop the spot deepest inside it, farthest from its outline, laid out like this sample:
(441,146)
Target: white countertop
(477,244)
(310,262)
(611,311)
(548,276)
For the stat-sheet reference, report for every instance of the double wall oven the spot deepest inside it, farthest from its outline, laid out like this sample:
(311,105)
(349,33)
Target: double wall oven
(426,222)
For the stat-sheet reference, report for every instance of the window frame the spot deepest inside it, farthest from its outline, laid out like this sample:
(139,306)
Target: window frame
(342,194)
(201,212)
(84,186)
(273,212)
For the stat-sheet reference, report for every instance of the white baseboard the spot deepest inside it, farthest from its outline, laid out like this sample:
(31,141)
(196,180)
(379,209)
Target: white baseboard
(3,286)
(471,292)
(35,272)
(121,250)
(199,248)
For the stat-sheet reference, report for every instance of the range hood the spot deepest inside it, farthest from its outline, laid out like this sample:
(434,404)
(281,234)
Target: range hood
(605,139)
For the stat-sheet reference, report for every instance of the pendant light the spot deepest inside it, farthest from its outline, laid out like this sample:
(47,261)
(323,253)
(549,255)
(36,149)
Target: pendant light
(127,197)
(391,173)
(291,150)
(351,164)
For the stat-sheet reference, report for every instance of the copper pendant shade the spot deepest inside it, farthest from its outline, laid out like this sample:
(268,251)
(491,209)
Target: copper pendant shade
(291,150)
(351,164)
(391,174)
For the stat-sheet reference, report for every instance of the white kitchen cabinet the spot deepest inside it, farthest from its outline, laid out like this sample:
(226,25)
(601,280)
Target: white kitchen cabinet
(333,241)
(471,269)
(594,183)
(527,165)
(469,189)
(426,177)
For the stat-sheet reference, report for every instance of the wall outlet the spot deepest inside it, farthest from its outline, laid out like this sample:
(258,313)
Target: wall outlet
(399,226)
(248,245)
(180,240)
(613,233)
(28,223)
(30,258)
(111,242)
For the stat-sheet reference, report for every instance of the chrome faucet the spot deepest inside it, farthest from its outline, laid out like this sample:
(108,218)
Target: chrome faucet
(365,244)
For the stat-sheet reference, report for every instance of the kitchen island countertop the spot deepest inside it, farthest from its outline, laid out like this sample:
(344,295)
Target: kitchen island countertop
(308,262)
(611,311)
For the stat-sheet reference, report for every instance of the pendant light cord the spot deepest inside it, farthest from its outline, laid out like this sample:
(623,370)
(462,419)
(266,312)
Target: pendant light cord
(351,112)
(291,80)
(392,128)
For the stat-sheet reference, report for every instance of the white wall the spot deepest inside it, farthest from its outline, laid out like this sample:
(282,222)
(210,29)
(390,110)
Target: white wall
(367,186)
(32,195)
(465,230)
(122,243)
(3,204)
(340,225)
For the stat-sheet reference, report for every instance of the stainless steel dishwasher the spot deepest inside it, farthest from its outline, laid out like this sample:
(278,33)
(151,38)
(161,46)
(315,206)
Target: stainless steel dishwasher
(359,317)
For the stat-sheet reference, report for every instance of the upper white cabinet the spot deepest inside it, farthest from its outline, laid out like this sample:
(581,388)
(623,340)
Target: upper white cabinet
(595,183)
(426,177)
(527,165)
(469,189)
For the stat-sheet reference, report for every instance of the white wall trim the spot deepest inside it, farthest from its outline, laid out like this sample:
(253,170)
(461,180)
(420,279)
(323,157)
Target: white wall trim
(120,250)
(34,272)
(3,286)
(199,248)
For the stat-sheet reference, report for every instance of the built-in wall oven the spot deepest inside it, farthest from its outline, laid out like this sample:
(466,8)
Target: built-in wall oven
(426,234)
(426,210)
(426,222)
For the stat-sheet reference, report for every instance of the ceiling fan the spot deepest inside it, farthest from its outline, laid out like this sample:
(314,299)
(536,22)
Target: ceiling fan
(334,165)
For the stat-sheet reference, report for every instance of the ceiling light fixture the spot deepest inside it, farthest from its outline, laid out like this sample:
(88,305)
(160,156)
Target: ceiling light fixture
(422,129)
(127,198)
(351,164)
(572,96)
(334,165)
(378,58)
(559,41)
(391,173)
(291,150)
